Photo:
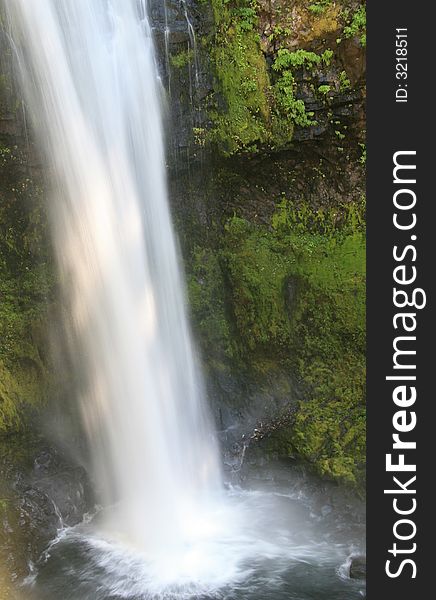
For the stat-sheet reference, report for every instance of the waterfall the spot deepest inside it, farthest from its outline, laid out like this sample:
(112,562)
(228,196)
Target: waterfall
(90,80)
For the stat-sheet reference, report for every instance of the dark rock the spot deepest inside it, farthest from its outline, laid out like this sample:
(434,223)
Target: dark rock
(358,567)
(293,286)
(41,490)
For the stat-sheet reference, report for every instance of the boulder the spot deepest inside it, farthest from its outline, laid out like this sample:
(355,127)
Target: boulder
(358,567)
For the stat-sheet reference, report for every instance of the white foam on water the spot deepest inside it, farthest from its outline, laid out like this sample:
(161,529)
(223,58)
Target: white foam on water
(250,536)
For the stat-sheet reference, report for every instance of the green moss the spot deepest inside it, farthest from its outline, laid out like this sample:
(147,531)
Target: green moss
(300,58)
(291,109)
(324,89)
(182,59)
(330,335)
(356,25)
(26,288)
(8,104)
(23,314)
(318,8)
(19,388)
(255,113)
(23,232)
(344,82)
(9,400)
(257,269)
(260,87)
(242,77)
(207,303)
(298,293)
(330,426)
(362,158)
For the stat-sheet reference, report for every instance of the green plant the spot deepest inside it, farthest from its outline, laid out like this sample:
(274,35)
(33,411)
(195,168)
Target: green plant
(182,59)
(362,158)
(285,87)
(200,135)
(344,82)
(247,17)
(318,8)
(357,25)
(241,121)
(324,89)
(292,107)
(320,256)
(278,31)
(26,288)
(207,303)
(300,58)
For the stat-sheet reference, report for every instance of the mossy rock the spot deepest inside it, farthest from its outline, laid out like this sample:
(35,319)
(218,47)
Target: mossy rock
(26,290)
(290,297)
(260,105)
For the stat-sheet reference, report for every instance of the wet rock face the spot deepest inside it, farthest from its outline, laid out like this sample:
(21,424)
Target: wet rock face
(66,486)
(291,24)
(11,112)
(358,567)
(189,36)
(178,26)
(40,491)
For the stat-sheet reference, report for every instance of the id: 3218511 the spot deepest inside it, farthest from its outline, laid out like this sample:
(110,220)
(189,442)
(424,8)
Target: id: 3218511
(401,65)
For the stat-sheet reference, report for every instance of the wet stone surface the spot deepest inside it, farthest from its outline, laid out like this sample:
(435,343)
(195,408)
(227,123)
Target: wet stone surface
(358,567)
(40,491)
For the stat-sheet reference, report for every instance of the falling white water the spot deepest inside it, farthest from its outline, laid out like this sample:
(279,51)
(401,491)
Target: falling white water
(90,79)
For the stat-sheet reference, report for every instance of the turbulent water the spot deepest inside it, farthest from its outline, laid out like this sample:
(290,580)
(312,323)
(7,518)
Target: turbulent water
(168,529)
(282,536)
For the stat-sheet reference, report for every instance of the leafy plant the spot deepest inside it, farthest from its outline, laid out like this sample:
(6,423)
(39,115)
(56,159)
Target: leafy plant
(324,89)
(318,8)
(294,108)
(362,158)
(300,58)
(344,82)
(182,59)
(247,17)
(357,26)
